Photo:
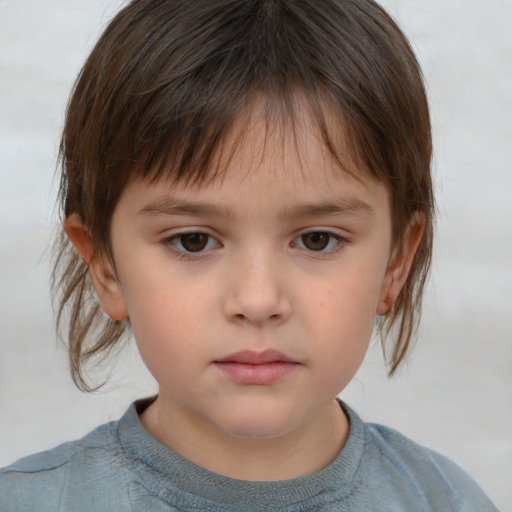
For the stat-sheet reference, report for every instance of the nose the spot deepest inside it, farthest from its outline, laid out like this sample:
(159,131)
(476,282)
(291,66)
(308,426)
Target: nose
(257,291)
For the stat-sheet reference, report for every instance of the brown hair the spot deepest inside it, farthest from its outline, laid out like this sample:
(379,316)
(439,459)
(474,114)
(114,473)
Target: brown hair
(165,82)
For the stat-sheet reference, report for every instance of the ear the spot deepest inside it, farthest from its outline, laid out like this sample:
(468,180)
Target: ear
(101,269)
(400,264)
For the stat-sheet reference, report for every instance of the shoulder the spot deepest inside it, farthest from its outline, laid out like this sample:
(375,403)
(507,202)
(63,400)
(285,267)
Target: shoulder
(98,439)
(414,470)
(76,470)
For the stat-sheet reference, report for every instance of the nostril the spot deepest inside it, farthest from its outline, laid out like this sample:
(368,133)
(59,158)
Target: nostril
(256,306)
(242,317)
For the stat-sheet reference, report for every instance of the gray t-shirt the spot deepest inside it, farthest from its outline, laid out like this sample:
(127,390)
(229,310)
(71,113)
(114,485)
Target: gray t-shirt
(120,467)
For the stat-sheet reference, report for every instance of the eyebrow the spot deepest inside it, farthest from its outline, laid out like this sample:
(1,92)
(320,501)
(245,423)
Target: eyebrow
(169,206)
(347,207)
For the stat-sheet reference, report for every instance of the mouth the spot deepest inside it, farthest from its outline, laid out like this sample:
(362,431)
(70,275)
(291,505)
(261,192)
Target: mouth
(256,368)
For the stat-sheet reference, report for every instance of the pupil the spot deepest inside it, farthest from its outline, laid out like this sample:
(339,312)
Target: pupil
(194,242)
(315,241)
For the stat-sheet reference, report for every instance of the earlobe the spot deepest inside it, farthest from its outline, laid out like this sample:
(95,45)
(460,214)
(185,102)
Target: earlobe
(106,283)
(400,264)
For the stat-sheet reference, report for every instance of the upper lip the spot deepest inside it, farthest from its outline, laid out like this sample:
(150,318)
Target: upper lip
(255,357)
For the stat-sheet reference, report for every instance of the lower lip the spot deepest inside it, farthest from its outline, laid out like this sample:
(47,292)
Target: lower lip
(257,374)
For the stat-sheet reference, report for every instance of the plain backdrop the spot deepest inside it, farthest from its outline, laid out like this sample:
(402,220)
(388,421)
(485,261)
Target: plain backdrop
(455,392)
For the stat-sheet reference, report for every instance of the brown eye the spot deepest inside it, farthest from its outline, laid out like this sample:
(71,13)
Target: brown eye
(193,242)
(316,241)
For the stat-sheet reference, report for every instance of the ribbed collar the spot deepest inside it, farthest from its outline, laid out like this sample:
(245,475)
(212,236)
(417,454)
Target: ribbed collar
(180,482)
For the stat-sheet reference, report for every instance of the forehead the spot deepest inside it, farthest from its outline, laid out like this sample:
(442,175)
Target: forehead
(269,166)
(292,142)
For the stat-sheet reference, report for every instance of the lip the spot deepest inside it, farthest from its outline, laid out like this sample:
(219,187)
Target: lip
(256,368)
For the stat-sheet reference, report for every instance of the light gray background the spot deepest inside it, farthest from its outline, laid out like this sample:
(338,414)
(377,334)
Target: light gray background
(454,395)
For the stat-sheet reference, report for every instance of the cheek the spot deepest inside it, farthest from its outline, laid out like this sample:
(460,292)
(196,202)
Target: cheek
(165,321)
(344,327)
(342,342)
(342,318)
(348,307)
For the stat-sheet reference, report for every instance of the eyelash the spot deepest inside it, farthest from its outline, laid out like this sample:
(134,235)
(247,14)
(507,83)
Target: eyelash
(339,242)
(174,241)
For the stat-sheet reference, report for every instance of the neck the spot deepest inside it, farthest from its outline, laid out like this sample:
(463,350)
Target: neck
(306,449)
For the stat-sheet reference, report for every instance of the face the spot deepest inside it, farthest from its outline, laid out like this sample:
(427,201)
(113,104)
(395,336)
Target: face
(252,298)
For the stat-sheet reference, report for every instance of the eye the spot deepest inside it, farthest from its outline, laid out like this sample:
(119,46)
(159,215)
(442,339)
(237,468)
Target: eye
(318,241)
(193,242)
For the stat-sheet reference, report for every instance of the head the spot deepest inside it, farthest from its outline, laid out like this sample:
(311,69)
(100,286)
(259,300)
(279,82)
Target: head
(170,93)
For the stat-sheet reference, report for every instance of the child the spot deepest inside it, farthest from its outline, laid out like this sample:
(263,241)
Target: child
(246,185)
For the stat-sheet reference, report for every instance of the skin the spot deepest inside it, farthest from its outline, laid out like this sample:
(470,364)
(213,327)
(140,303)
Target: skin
(261,279)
